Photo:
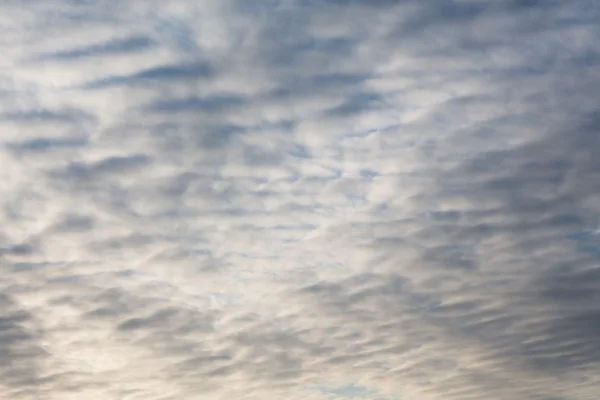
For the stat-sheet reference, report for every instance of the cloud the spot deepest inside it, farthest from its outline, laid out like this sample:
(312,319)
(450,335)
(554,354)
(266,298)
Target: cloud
(324,200)
(127,45)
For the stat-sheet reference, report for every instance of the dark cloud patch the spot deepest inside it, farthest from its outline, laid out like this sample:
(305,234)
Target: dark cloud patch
(166,73)
(338,80)
(47,144)
(571,340)
(213,104)
(20,353)
(292,88)
(542,189)
(107,166)
(122,46)
(374,3)
(442,12)
(213,137)
(208,139)
(74,223)
(513,291)
(44,115)
(117,244)
(257,155)
(520,5)
(295,45)
(304,46)
(357,104)
(22,249)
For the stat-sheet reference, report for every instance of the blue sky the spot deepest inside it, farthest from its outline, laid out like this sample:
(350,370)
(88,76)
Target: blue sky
(272,199)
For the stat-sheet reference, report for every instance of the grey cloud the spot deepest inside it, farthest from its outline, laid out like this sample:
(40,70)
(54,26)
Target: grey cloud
(45,144)
(46,115)
(73,223)
(20,354)
(166,73)
(108,166)
(210,104)
(355,105)
(124,46)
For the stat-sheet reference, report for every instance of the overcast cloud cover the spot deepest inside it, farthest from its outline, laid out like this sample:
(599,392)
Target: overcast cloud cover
(299,199)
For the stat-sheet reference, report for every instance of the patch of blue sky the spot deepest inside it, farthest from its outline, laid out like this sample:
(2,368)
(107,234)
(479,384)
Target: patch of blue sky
(356,200)
(351,391)
(299,151)
(369,173)
(175,30)
(337,174)
(292,178)
(381,207)
(587,241)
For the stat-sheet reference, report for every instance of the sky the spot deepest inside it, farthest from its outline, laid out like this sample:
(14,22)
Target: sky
(299,199)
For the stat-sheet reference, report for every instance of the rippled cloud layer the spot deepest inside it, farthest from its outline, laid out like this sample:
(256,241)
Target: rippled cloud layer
(336,199)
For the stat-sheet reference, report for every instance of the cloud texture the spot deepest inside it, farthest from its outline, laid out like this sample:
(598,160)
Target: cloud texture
(268,199)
